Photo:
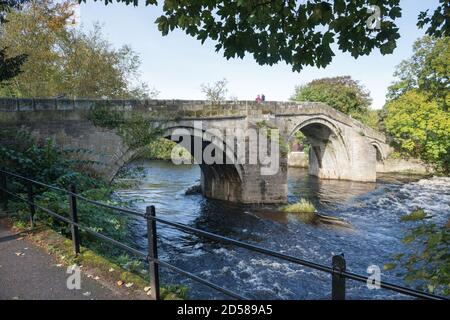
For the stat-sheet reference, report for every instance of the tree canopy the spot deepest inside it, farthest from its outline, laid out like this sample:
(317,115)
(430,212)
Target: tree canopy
(420,128)
(428,70)
(343,94)
(9,66)
(416,115)
(66,61)
(298,33)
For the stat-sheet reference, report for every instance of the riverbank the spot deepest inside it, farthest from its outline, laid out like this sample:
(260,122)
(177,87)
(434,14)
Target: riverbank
(46,255)
(28,270)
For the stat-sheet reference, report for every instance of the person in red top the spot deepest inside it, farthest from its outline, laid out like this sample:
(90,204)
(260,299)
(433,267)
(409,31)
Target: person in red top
(258,98)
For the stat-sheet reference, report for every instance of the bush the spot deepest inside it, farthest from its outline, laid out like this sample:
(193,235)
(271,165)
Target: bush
(428,265)
(20,153)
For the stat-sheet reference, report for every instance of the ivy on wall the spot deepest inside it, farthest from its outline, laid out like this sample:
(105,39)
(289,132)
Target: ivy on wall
(134,128)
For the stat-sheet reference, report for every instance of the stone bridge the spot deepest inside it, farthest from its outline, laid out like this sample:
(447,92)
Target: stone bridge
(341,147)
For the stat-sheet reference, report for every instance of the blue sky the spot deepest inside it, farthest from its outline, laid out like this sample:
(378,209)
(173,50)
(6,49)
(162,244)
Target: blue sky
(177,64)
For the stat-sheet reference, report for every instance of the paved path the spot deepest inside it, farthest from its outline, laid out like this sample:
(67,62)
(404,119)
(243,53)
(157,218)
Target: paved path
(27,272)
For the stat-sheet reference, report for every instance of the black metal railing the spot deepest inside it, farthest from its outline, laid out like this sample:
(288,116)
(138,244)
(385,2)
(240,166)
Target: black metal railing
(338,269)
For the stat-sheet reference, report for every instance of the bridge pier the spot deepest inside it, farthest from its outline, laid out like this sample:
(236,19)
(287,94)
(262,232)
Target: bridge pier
(251,187)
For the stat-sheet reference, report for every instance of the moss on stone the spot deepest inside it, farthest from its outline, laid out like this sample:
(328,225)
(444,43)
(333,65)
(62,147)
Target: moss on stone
(301,206)
(416,215)
(303,210)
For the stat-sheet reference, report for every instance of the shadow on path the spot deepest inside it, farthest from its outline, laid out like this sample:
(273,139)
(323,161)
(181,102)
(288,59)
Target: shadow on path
(27,272)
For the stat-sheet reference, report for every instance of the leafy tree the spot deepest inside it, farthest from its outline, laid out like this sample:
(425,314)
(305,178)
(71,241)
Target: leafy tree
(420,128)
(427,70)
(298,33)
(9,66)
(163,149)
(428,264)
(216,91)
(341,93)
(438,23)
(65,61)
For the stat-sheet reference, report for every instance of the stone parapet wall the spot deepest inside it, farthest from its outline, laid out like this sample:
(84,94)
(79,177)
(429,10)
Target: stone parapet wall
(183,109)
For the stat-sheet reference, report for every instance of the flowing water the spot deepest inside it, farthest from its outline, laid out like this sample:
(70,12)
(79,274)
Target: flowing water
(373,210)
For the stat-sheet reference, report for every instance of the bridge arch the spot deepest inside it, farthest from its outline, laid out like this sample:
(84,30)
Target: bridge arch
(329,151)
(380,155)
(344,144)
(218,180)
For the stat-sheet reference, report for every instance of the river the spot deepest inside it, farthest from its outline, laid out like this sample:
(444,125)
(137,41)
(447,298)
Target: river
(373,210)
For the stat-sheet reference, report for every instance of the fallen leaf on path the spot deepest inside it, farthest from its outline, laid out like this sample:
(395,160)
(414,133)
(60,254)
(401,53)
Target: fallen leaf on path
(111,270)
(129,284)
(96,278)
(59,265)
(19,254)
(147,289)
(119,283)
(86,294)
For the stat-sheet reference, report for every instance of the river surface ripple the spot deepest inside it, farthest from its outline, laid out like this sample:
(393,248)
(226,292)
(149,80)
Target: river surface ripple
(373,209)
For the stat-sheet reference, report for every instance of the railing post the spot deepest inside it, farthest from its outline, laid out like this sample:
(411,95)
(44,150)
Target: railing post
(152,252)
(74,215)
(31,202)
(338,280)
(3,186)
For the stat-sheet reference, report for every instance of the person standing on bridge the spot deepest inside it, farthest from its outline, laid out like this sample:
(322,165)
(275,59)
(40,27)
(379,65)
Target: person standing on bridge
(258,99)
(263,97)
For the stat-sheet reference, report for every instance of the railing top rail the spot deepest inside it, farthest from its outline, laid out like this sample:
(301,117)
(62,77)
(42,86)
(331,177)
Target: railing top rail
(237,243)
